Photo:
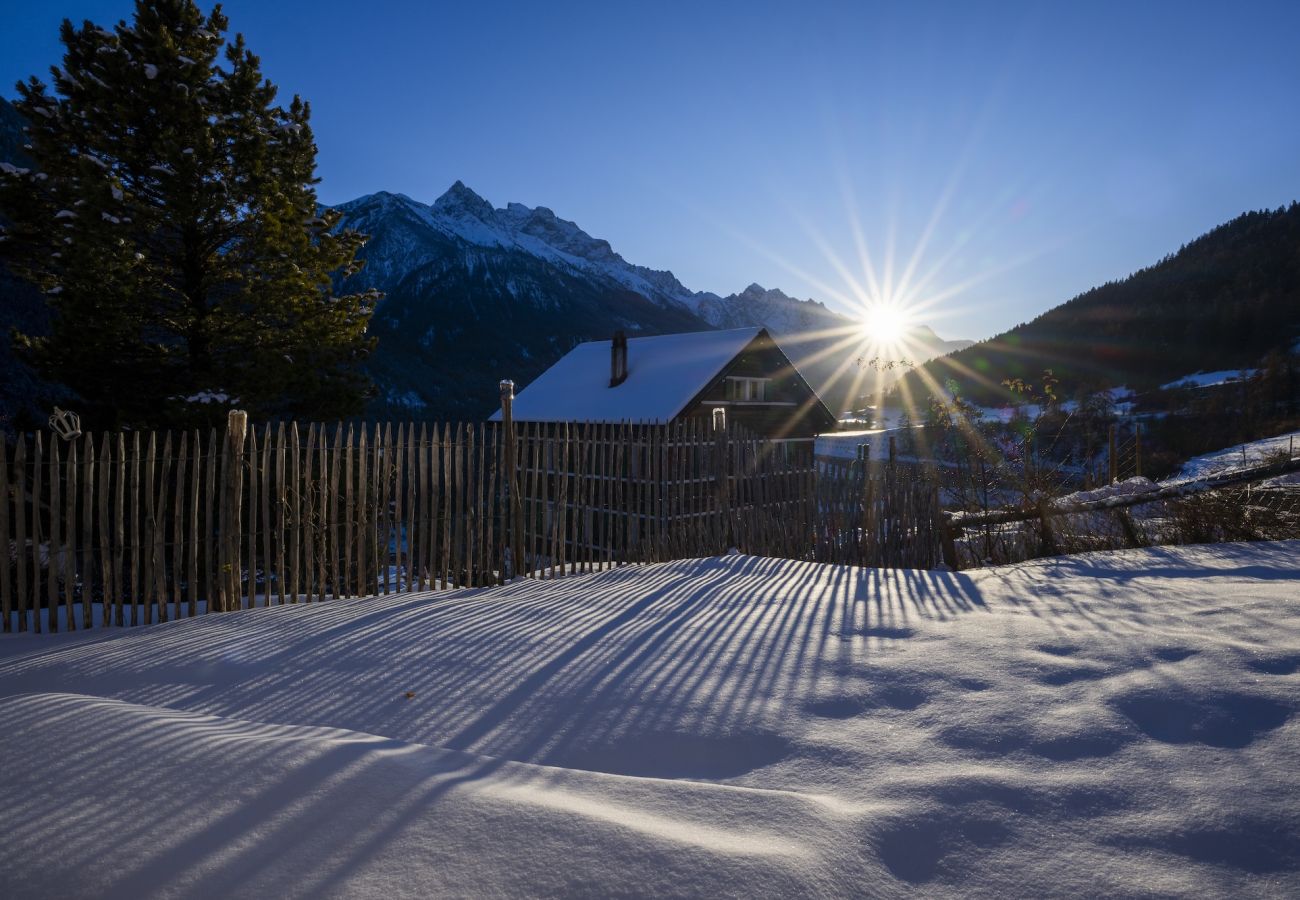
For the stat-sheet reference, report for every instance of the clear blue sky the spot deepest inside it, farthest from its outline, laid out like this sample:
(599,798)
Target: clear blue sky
(1020,153)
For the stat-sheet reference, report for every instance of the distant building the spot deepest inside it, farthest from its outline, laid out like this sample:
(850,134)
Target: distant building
(678,377)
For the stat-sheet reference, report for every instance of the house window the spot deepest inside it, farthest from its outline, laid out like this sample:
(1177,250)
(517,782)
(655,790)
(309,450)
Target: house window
(750,389)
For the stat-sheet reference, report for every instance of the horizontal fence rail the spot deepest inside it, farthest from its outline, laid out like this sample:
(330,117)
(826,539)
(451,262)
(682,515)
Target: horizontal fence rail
(1260,502)
(136,528)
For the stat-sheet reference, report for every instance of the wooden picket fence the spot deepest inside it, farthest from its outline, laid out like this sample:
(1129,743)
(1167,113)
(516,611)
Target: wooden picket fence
(141,527)
(596,494)
(877,513)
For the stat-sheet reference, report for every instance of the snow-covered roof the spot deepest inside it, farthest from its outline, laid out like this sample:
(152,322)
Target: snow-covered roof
(664,374)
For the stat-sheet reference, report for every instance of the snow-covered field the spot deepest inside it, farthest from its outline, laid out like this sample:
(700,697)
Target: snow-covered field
(1114,724)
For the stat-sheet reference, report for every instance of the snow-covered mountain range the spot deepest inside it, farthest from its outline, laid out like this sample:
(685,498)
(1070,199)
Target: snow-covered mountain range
(476,293)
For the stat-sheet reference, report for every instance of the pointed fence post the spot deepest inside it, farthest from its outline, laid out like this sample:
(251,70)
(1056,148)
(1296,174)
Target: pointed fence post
(1050,545)
(1137,448)
(510,483)
(232,494)
(948,544)
(1114,463)
(721,447)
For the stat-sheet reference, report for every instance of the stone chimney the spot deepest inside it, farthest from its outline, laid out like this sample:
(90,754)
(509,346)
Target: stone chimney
(618,359)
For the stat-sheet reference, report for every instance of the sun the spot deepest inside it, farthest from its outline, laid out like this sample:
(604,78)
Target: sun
(885,323)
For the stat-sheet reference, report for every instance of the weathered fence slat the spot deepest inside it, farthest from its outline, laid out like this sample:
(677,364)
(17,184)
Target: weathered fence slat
(38,468)
(209,534)
(178,525)
(362,546)
(54,550)
(375,512)
(264,494)
(398,456)
(108,590)
(220,600)
(87,530)
(294,512)
(157,525)
(448,483)
(425,493)
(190,517)
(528,499)
(458,519)
(5,491)
(68,550)
(486,485)
(335,532)
(252,480)
(323,521)
(20,528)
(308,511)
(474,517)
(349,512)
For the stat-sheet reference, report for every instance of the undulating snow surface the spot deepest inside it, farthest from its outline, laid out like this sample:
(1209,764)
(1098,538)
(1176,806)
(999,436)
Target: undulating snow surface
(1115,724)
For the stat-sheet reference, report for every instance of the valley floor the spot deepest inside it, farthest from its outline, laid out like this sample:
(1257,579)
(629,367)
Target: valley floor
(1109,724)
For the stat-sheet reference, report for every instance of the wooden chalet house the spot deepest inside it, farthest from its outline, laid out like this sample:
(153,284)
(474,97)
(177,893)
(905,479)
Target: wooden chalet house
(635,443)
(677,378)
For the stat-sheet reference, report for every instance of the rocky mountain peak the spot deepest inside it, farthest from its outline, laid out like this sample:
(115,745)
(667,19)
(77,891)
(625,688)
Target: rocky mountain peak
(756,292)
(459,198)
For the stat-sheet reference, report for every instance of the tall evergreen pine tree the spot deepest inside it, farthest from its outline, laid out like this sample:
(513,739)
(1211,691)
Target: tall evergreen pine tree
(170,216)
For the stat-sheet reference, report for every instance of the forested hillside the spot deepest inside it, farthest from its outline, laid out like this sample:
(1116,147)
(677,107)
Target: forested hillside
(1222,301)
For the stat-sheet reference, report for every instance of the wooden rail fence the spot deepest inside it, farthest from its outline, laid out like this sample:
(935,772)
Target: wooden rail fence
(141,527)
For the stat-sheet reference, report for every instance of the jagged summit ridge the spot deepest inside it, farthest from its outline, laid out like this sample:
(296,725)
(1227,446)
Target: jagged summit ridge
(773,308)
(462,215)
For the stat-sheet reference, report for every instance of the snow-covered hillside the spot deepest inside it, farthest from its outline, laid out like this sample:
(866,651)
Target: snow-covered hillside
(1110,725)
(1209,379)
(1242,456)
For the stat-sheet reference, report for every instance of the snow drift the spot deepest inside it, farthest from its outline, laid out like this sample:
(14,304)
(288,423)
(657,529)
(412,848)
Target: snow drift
(1111,724)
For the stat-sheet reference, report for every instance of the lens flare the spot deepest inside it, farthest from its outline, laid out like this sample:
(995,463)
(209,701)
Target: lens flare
(885,324)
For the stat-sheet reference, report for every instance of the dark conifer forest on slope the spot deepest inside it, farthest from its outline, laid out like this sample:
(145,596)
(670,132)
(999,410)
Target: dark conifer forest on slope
(1223,301)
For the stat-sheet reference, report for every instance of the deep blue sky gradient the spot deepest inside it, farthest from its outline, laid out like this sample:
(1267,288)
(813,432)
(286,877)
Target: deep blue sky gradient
(1020,153)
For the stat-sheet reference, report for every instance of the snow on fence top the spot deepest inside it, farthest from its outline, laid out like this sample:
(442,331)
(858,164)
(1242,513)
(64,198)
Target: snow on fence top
(664,374)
